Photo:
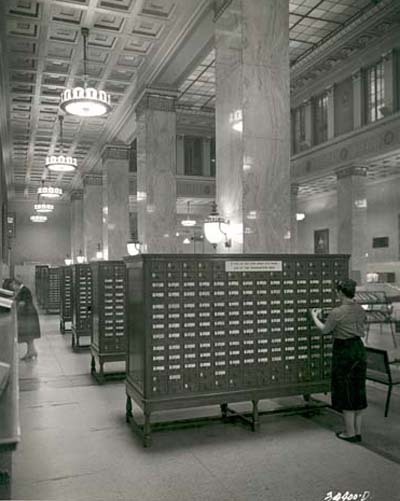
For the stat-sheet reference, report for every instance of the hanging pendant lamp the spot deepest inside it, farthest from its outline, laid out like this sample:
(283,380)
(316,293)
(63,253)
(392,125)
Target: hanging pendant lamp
(43,207)
(49,191)
(61,163)
(85,101)
(38,218)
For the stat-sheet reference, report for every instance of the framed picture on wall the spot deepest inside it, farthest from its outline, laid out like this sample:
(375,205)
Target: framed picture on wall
(321,241)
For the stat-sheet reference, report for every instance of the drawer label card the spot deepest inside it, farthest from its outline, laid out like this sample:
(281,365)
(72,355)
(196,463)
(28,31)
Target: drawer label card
(256,266)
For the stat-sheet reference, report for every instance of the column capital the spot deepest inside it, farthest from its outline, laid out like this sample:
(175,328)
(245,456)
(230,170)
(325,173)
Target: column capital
(76,195)
(93,180)
(356,75)
(116,152)
(156,99)
(329,90)
(351,170)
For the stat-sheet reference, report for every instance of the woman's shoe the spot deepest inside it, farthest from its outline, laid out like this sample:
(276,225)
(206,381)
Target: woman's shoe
(353,439)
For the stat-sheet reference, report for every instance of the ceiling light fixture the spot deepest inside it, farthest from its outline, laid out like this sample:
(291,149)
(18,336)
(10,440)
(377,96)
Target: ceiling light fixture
(189,222)
(85,101)
(49,191)
(41,207)
(38,218)
(61,163)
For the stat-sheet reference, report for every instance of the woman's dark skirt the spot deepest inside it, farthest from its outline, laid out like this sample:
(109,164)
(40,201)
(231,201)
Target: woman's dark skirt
(349,368)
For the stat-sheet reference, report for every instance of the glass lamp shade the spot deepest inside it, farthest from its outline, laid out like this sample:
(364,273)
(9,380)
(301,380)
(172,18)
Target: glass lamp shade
(85,102)
(49,192)
(300,216)
(38,218)
(43,207)
(186,241)
(68,261)
(133,248)
(80,259)
(215,226)
(61,163)
(213,233)
(99,254)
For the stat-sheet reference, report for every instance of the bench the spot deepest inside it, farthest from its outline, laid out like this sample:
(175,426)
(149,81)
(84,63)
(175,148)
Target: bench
(380,371)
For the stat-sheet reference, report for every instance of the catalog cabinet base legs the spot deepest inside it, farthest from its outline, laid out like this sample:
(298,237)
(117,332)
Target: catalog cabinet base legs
(252,419)
(102,358)
(75,340)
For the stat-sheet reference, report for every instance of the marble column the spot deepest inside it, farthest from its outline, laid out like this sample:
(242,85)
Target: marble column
(92,215)
(115,201)
(77,242)
(357,100)
(156,182)
(180,155)
(253,124)
(294,190)
(389,81)
(331,112)
(352,218)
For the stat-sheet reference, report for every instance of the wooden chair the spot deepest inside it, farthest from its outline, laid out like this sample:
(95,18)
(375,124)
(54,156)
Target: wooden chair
(380,371)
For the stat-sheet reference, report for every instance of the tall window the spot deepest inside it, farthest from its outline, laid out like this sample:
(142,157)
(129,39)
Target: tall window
(375,92)
(321,118)
(299,128)
(193,147)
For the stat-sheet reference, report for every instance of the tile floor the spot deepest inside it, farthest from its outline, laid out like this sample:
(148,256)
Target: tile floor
(76,445)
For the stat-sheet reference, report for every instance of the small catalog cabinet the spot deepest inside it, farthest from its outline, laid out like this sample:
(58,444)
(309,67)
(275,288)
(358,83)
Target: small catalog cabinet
(66,299)
(41,278)
(52,299)
(82,317)
(216,329)
(109,336)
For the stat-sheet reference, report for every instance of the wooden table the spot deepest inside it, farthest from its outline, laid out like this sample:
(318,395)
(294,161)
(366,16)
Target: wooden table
(10,431)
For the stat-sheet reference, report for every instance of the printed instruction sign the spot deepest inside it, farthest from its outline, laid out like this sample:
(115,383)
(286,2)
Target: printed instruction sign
(249,266)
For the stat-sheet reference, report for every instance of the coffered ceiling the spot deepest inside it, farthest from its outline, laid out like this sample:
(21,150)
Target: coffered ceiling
(41,48)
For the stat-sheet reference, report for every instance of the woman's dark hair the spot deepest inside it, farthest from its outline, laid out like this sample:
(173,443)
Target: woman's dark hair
(7,284)
(25,295)
(348,287)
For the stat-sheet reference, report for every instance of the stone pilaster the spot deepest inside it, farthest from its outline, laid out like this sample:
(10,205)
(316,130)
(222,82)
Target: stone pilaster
(352,218)
(389,82)
(331,112)
(156,181)
(115,210)
(77,242)
(358,105)
(92,214)
(253,124)
(308,122)
(180,155)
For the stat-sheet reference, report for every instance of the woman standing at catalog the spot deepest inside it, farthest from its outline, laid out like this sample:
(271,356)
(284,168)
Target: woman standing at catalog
(349,361)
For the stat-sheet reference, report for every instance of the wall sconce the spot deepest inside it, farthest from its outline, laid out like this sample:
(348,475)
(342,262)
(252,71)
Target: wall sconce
(214,227)
(300,216)
(80,258)
(133,247)
(68,260)
(99,253)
